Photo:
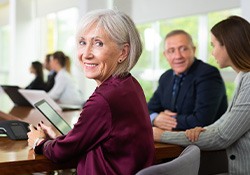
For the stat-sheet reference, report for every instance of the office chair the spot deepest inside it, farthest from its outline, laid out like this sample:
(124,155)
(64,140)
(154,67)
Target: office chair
(187,163)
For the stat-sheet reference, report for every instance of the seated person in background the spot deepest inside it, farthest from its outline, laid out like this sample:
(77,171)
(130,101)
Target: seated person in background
(192,93)
(68,65)
(113,135)
(51,76)
(65,90)
(36,68)
(230,40)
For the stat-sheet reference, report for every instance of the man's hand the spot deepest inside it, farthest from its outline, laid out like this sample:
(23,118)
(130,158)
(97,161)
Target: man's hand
(165,120)
(157,134)
(193,134)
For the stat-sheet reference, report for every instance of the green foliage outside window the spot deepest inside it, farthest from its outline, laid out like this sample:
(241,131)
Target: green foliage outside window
(229,90)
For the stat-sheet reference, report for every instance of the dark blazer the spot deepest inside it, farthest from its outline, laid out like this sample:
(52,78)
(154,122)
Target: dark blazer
(202,98)
(51,81)
(37,84)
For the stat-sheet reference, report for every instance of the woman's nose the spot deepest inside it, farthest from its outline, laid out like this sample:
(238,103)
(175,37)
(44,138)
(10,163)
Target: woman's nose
(87,52)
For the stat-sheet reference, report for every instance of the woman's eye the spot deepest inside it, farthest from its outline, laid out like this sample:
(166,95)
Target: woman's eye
(82,42)
(99,43)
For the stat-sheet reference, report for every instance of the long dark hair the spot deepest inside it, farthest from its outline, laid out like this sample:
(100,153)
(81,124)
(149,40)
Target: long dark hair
(38,67)
(234,33)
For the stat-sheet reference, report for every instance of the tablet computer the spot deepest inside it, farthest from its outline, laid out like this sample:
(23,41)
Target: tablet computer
(57,121)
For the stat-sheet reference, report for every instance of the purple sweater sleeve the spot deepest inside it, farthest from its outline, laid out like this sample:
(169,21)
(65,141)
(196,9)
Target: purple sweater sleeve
(86,134)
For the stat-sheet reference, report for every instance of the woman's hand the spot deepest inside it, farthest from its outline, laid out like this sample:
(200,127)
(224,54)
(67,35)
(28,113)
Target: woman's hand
(193,134)
(39,133)
(47,130)
(157,133)
(35,136)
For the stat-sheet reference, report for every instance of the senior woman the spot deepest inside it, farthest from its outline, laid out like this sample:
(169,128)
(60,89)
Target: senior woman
(113,134)
(230,40)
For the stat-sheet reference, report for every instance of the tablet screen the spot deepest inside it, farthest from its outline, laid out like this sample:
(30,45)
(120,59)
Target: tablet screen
(59,123)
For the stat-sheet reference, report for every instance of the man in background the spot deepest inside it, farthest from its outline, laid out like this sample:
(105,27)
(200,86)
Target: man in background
(192,93)
(51,76)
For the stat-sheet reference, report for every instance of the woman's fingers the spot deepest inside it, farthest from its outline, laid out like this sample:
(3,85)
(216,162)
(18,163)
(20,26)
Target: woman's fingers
(32,127)
(193,134)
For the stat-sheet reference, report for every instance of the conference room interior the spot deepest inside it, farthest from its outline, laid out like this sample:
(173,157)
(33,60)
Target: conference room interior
(30,29)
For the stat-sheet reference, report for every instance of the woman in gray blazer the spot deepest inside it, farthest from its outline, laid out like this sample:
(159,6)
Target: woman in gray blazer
(230,40)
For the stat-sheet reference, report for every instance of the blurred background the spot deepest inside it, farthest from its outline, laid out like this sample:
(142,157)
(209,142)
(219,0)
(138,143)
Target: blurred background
(30,29)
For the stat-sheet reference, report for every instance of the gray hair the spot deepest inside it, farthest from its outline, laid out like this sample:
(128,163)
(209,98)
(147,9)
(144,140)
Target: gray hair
(121,29)
(179,32)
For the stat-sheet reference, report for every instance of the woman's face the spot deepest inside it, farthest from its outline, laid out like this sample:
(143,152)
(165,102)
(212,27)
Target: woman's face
(220,53)
(54,64)
(98,54)
(32,70)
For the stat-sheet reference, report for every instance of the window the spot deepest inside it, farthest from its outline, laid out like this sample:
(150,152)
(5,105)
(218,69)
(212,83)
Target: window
(152,62)
(60,31)
(4,54)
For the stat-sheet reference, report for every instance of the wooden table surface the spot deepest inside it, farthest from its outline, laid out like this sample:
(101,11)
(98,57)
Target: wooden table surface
(17,158)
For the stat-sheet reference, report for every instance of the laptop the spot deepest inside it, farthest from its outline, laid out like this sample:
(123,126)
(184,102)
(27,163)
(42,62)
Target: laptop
(17,98)
(55,119)
(33,96)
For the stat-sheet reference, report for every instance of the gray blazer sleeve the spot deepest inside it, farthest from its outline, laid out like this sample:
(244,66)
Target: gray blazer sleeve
(232,128)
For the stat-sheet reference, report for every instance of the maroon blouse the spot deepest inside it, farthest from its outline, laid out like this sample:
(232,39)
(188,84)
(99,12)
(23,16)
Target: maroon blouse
(113,134)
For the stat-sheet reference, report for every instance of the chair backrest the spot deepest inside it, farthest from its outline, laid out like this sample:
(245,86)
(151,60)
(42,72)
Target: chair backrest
(186,164)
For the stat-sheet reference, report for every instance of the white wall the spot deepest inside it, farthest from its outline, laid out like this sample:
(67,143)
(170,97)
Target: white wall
(44,7)
(22,40)
(151,10)
(140,10)
(245,6)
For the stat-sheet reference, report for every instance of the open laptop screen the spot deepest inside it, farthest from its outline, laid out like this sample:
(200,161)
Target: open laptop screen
(15,96)
(59,123)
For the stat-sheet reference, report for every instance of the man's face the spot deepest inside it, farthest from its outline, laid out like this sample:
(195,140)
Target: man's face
(179,52)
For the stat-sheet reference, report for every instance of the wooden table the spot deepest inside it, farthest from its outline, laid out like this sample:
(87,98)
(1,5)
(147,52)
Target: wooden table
(17,158)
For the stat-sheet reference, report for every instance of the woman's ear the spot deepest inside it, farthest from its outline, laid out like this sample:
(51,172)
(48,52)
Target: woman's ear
(124,53)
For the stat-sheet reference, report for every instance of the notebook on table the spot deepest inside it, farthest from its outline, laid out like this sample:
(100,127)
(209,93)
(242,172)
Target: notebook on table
(33,96)
(17,98)
(56,120)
